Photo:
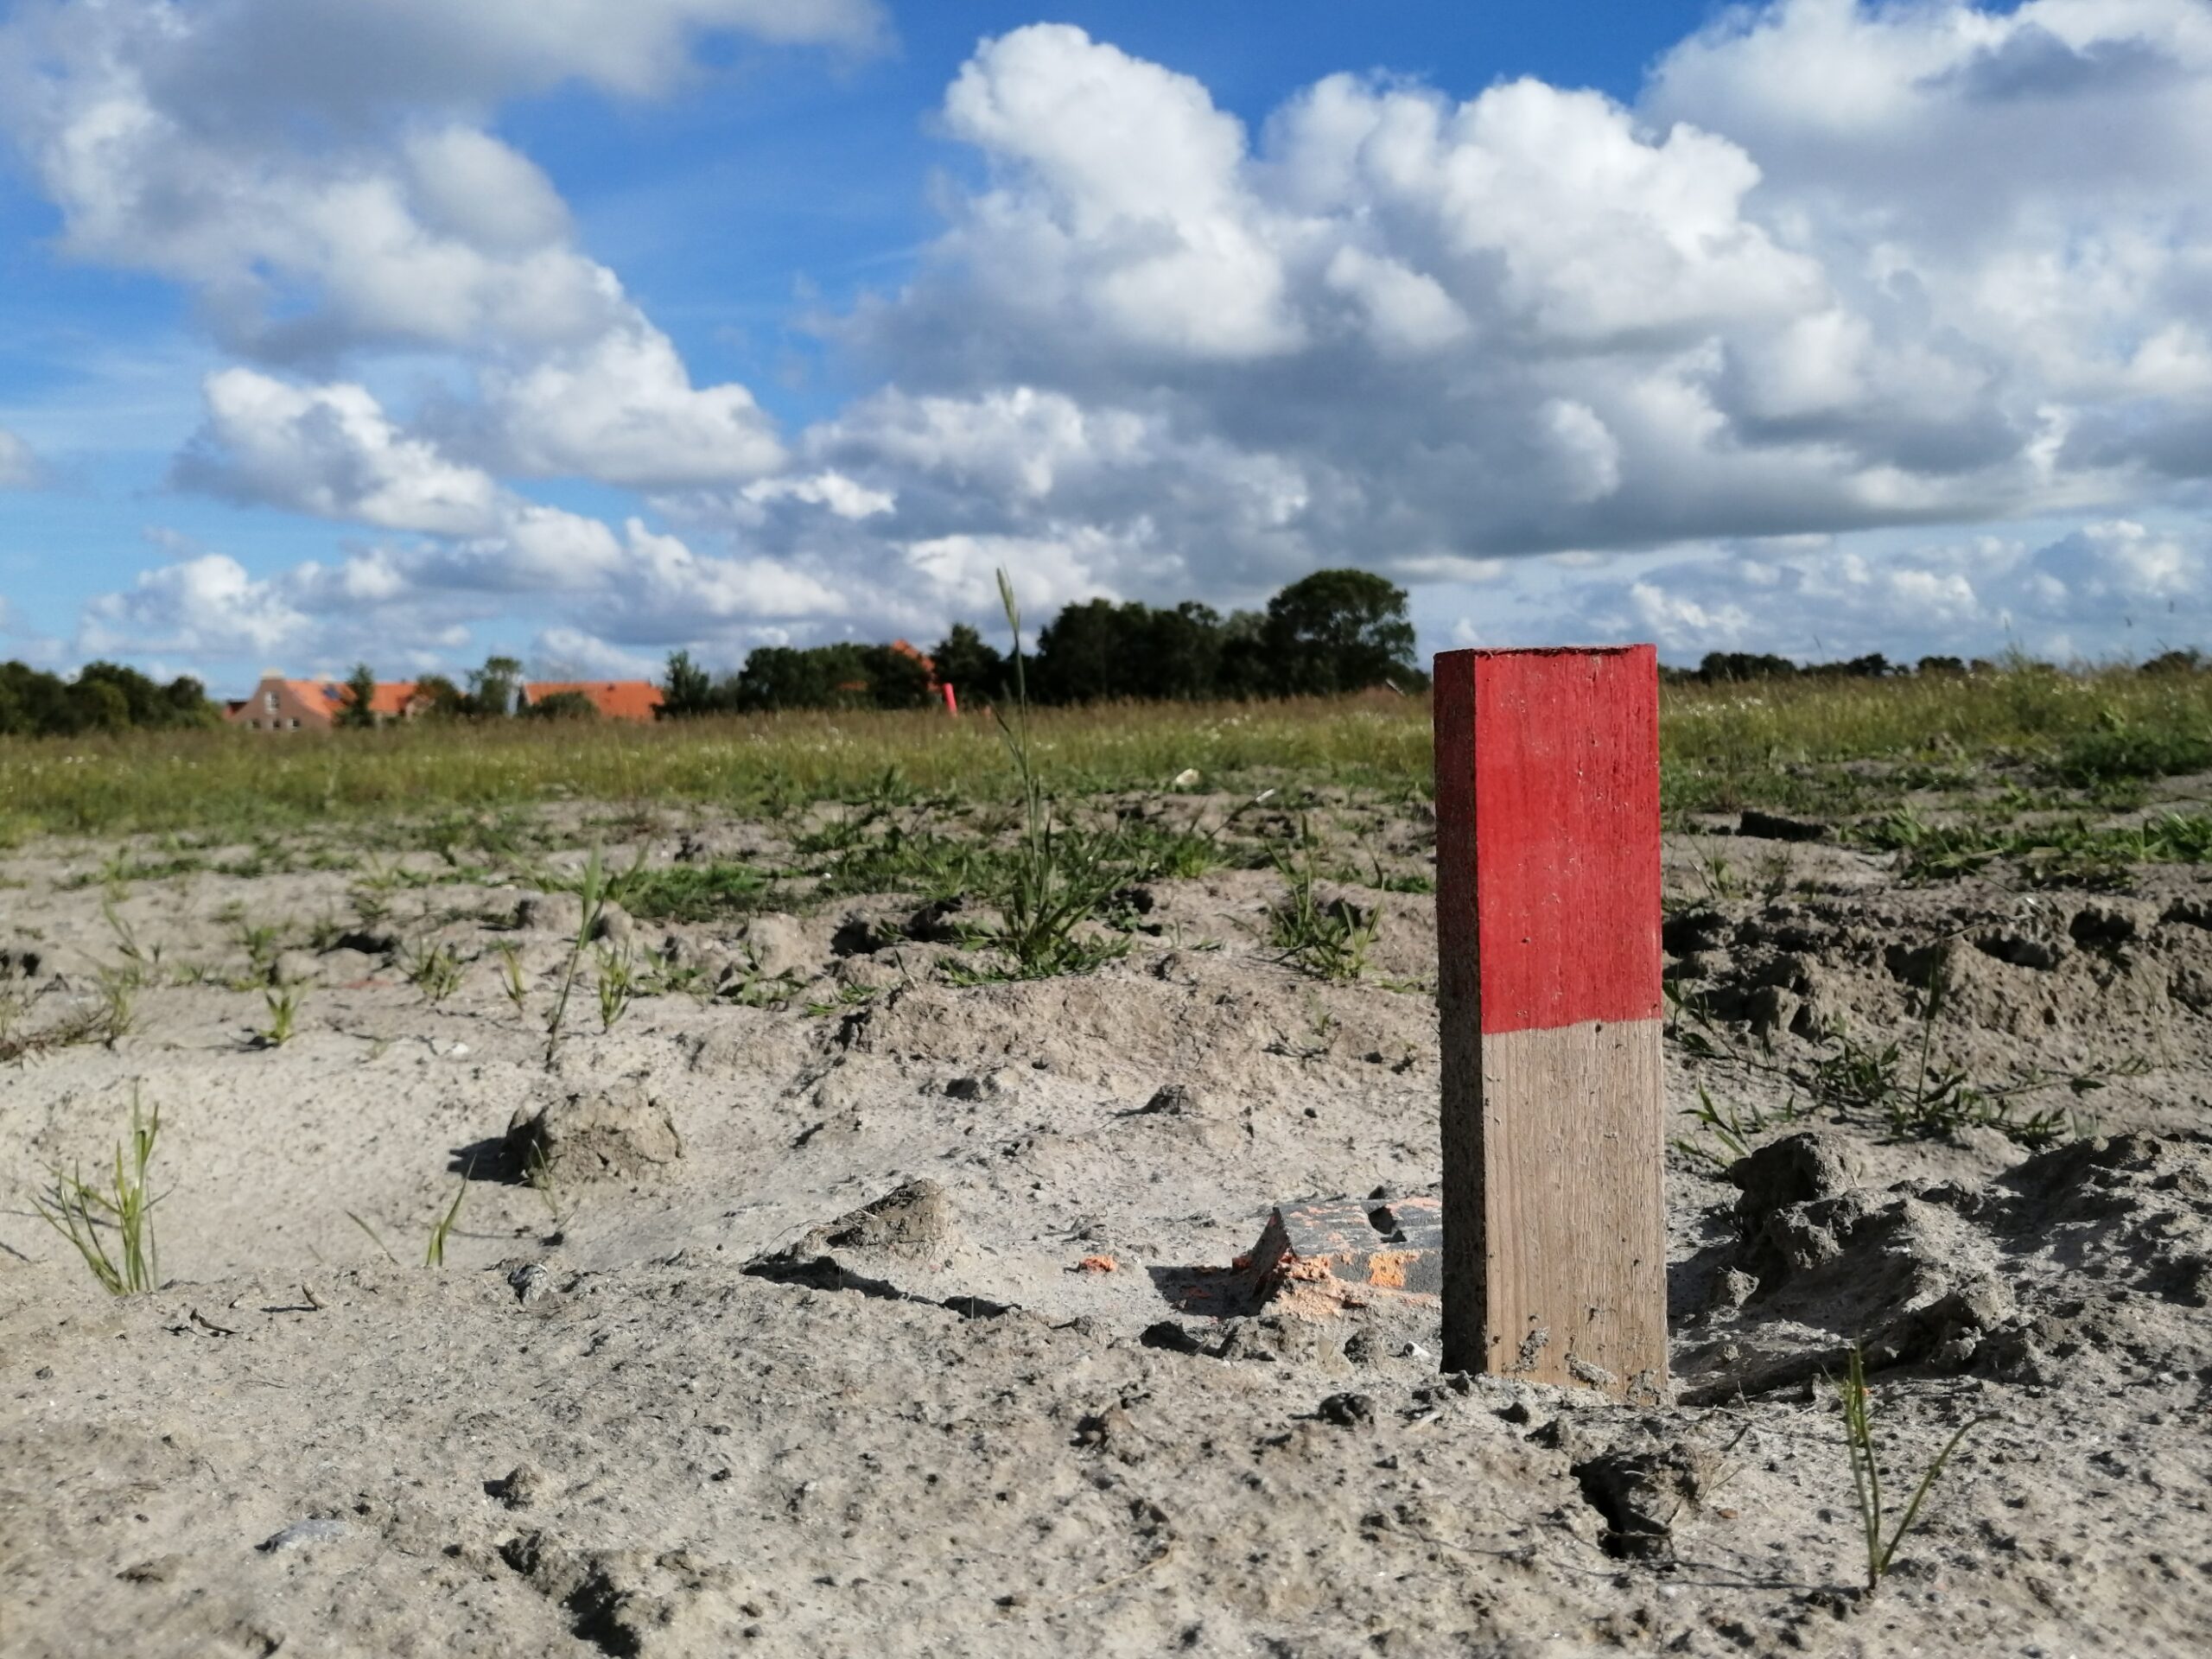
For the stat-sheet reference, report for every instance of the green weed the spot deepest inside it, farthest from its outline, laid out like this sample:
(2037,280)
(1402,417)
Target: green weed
(1059,876)
(284,1002)
(592,893)
(434,1255)
(434,968)
(1329,940)
(85,1214)
(694,892)
(616,983)
(510,979)
(1857,1402)
(1731,1128)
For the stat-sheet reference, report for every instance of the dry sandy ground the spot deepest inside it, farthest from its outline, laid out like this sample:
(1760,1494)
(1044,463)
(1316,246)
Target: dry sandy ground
(679,1399)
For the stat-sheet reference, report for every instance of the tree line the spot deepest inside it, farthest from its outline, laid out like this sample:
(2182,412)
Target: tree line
(1327,633)
(1730,667)
(104,698)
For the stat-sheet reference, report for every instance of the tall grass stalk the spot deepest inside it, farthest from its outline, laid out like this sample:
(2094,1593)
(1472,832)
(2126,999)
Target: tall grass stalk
(1059,875)
(592,896)
(87,1215)
(1858,1404)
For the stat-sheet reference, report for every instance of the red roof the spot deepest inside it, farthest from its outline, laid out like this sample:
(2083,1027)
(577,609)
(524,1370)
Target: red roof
(389,699)
(614,699)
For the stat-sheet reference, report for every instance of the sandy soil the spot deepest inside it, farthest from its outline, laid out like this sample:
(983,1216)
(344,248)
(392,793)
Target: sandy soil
(689,1393)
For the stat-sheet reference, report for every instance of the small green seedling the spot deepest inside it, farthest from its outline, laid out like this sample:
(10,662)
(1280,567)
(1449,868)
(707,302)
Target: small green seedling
(511,980)
(85,1214)
(284,1002)
(616,982)
(1858,1403)
(142,963)
(593,894)
(435,970)
(434,1256)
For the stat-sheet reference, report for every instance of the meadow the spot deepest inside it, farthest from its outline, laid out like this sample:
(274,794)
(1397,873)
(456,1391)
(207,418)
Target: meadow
(1838,747)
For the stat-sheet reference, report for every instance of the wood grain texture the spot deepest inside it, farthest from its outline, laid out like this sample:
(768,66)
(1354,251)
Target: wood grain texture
(1548,932)
(1573,1200)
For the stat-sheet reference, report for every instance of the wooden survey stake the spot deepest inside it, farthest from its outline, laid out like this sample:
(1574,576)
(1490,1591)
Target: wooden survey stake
(1548,935)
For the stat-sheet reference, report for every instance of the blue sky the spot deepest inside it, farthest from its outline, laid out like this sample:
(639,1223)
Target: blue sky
(590,329)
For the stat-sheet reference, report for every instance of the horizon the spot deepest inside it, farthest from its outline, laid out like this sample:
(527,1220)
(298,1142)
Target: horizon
(413,336)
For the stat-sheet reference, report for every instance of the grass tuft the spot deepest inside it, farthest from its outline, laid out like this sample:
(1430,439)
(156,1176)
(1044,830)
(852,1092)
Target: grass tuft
(1857,1402)
(87,1215)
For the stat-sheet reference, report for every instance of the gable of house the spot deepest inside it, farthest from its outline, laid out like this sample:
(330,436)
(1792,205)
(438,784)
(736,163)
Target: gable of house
(279,704)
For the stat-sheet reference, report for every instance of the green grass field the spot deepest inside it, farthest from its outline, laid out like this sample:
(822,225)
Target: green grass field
(1840,749)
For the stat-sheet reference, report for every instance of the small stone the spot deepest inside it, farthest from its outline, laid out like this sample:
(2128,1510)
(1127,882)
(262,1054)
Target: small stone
(1348,1410)
(300,1533)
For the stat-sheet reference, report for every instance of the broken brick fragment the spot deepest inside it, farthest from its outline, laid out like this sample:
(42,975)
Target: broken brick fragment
(1321,1256)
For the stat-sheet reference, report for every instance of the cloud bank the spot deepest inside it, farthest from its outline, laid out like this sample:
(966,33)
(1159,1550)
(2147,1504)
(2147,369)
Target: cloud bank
(1844,280)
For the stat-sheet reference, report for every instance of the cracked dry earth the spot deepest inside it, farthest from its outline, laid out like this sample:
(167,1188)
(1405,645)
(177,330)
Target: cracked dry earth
(883,1328)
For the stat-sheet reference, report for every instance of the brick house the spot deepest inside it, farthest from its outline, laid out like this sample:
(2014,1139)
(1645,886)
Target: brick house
(279,704)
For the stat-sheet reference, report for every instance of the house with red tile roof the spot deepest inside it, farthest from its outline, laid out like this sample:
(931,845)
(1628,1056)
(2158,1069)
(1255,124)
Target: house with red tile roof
(637,699)
(281,704)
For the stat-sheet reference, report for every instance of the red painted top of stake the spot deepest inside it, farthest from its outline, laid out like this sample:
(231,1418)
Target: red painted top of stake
(1548,832)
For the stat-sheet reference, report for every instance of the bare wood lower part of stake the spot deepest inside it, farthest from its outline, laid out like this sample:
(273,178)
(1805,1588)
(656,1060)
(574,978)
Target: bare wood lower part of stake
(1574,1275)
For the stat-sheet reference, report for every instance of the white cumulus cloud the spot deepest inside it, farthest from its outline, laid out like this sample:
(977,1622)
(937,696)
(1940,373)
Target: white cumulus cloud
(331,451)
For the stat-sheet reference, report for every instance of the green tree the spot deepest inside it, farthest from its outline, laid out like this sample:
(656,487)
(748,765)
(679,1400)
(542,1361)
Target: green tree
(492,688)
(785,676)
(1241,671)
(1081,654)
(1178,653)
(970,663)
(896,678)
(98,705)
(186,700)
(562,705)
(359,710)
(688,691)
(1338,631)
(1721,666)
(445,700)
